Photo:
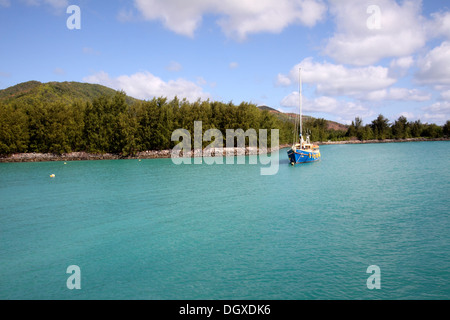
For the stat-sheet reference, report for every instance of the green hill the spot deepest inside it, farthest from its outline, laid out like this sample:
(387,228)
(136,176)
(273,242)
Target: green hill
(268,109)
(56,91)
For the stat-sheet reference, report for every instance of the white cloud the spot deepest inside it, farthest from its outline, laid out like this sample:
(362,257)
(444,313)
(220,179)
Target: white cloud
(445,95)
(399,94)
(399,67)
(291,100)
(439,107)
(58,3)
(59,71)
(335,80)
(144,85)
(233,65)
(345,110)
(438,119)
(407,94)
(434,68)
(182,17)
(438,112)
(174,66)
(31,2)
(402,63)
(408,115)
(283,80)
(401,31)
(440,25)
(348,91)
(237,18)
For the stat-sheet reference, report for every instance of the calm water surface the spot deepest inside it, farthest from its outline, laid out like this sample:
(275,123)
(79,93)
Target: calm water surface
(154,230)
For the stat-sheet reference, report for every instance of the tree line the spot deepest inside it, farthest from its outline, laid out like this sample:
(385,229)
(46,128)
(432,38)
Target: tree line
(381,128)
(111,124)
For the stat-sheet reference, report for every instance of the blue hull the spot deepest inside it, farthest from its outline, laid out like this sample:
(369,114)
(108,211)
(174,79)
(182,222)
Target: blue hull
(302,156)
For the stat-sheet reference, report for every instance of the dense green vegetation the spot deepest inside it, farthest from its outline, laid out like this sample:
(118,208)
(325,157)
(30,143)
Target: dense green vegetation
(319,131)
(380,129)
(67,117)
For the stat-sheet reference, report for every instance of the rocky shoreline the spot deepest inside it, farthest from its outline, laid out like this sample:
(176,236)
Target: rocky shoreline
(151,154)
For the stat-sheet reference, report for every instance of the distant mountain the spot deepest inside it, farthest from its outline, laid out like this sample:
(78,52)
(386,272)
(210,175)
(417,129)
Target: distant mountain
(268,109)
(333,125)
(56,91)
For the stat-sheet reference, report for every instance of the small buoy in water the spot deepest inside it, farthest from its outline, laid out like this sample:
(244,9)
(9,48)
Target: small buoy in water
(52,176)
(65,162)
(139,160)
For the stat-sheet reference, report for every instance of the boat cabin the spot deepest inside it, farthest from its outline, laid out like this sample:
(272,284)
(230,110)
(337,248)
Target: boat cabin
(307,147)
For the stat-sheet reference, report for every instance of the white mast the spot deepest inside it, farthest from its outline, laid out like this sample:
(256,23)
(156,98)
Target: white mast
(300,102)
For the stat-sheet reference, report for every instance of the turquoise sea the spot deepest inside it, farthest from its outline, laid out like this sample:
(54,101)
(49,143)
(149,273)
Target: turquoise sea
(151,229)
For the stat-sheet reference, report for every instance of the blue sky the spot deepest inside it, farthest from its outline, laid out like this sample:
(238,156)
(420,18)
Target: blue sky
(359,58)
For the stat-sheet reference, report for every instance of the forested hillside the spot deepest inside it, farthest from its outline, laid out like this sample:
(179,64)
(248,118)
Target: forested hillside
(66,92)
(67,117)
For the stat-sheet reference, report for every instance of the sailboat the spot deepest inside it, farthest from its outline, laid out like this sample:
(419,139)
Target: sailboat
(302,151)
